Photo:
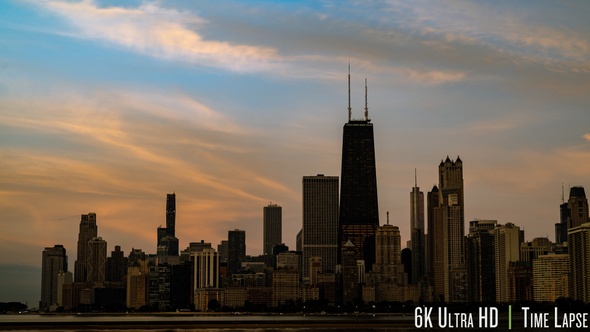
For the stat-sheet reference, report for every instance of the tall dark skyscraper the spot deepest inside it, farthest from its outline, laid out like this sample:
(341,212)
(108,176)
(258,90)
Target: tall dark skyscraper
(272,227)
(171,214)
(359,213)
(236,250)
(578,207)
(88,231)
(417,233)
(167,236)
(54,261)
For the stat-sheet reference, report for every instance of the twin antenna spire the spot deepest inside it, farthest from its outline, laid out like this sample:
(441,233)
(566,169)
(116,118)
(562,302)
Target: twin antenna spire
(366,100)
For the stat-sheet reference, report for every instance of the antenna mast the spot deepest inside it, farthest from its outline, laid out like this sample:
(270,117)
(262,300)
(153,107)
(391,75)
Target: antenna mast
(349,109)
(366,103)
(388,217)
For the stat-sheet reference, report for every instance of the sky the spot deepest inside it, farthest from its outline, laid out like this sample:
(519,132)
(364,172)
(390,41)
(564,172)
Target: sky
(107,106)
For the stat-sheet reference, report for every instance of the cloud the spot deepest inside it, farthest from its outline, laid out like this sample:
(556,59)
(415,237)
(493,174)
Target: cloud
(163,33)
(587,137)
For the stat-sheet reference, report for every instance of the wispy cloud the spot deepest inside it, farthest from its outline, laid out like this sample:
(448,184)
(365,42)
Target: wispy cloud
(587,137)
(160,32)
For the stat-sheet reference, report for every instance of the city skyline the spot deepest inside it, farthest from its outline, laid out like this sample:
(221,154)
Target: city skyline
(105,109)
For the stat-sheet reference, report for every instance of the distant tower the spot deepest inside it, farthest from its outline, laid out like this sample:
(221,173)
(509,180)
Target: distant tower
(578,207)
(507,243)
(97,260)
(480,255)
(167,236)
(236,250)
(417,233)
(171,214)
(359,213)
(54,261)
(88,230)
(272,227)
(449,231)
(434,243)
(320,221)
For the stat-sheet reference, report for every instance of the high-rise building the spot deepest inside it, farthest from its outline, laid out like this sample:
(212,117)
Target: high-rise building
(320,221)
(417,233)
(359,212)
(167,236)
(272,227)
(88,230)
(550,277)
(388,266)
(97,259)
(54,261)
(577,207)
(561,227)
(579,253)
(480,252)
(507,243)
(171,214)
(236,250)
(116,265)
(434,244)
(450,270)
(206,269)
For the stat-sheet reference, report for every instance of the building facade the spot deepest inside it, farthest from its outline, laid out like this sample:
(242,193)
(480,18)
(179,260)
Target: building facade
(319,235)
(359,212)
(54,261)
(579,255)
(272,227)
(88,230)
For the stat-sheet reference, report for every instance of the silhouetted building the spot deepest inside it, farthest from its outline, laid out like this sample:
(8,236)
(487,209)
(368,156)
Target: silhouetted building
(577,207)
(88,230)
(272,227)
(116,265)
(167,236)
(417,234)
(529,251)
(97,260)
(320,221)
(434,246)
(236,250)
(480,252)
(171,214)
(54,261)
(579,253)
(359,213)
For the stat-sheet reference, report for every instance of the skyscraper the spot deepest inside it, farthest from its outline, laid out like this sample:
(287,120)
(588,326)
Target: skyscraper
(449,230)
(507,243)
(167,236)
(236,250)
(54,261)
(97,260)
(320,221)
(417,233)
(579,254)
(171,214)
(434,243)
(88,230)
(359,213)
(272,227)
(578,207)
(480,257)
